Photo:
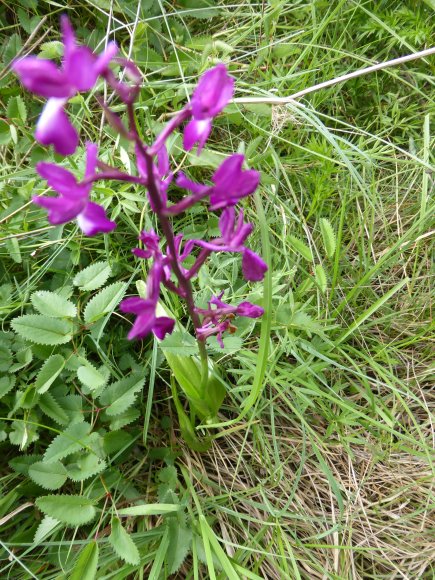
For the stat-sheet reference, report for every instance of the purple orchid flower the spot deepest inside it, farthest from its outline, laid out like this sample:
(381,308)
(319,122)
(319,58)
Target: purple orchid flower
(73,200)
(145,309)
(231,184)
(146,319)
(215,89)
(217,320)
(151,248)
(233,237)
(79,72)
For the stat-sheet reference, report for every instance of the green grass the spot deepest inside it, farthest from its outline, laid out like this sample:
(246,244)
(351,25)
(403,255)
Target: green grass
(322,462)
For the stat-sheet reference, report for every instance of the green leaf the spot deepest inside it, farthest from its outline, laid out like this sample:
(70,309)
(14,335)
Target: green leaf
(16,110)
(13,46)
(5,358)
(51,304)
(105,301)
(49,372)
(180,542)
(321,278)
(50,406)
(125,418)
(48,475)
(90,377)
(150,509)
(69,441)
(22,463)
(42,330)
(119,396)
(85,466)
(93,277)
(6,384)
(122,544)
(51,50)
(73,510)
(328,236)
(46,527)
(24,357)
(87,563)
(301,248)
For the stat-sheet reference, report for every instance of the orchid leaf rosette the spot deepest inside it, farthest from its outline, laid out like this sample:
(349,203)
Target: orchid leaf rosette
(166,253)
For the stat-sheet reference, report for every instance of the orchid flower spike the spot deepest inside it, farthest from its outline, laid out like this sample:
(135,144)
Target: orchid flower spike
(79,72)
(214,91)
(73,199)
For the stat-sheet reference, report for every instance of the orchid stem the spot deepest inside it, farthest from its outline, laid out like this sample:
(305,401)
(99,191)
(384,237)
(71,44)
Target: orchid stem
(183,282)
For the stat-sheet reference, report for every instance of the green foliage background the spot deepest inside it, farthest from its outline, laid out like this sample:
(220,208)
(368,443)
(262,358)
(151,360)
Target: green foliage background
(328,471)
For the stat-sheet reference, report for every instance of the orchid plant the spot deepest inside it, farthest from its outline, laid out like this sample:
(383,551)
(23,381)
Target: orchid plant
(79,71)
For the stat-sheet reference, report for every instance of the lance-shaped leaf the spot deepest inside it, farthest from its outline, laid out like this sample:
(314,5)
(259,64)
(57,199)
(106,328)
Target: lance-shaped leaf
(121,395)
(71,440)
(93,277)
(53,305)
(105,301)
(73,510)
(50,370)
(43,330)
(87,563)
(122,543)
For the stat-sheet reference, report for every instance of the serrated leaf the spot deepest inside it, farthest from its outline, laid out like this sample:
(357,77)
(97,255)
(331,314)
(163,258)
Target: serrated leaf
(42,330)
(49,372)
(91,377)
(46,527)
(5,358)
(73,510)
(51,50)
(73,407)
(13,47)
(93,277)
(16,109)
(22,463)
(87,563)
(301,248)
(24,432)
(48,405)
(328,236)
(6,384)
(24,357)
(105,301)
(120,421)
(180,543)
(119,396)
(48,475)
(122,544)
(51,304)
(321,277)
(85,466)
(69,441)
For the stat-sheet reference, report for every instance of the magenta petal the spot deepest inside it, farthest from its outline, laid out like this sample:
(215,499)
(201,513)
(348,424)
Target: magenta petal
(60,209)
(215,89)
(42,77)
(139,253)
(163,326)
(54,128)
(142,326)
(105,57)
(134,305)
(93,220)
(249,310)
(58,178)
(186,183)
(196,132)
(79,66)
(91,159)
(253,267)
